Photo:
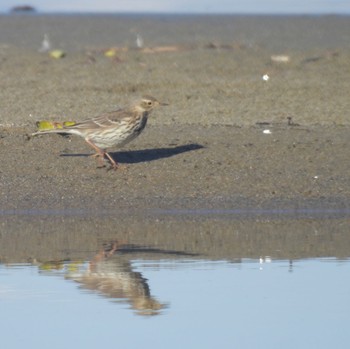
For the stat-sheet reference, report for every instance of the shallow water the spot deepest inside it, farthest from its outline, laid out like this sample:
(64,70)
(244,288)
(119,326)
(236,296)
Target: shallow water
(246,278)
(76,32)
(126,302)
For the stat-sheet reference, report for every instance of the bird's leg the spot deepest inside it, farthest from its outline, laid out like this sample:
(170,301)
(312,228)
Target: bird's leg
(114,164)
(100,154)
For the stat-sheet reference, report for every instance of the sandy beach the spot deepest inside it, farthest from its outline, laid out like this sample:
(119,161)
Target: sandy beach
(229,138)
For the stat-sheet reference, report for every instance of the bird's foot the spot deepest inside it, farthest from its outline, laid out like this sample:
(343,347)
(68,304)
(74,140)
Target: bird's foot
(100,159)
(114,165)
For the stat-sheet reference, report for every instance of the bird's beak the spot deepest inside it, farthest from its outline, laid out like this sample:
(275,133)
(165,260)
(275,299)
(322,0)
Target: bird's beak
(163,104)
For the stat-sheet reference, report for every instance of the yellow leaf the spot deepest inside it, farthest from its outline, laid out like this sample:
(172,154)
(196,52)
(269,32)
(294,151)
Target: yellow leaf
(57,54)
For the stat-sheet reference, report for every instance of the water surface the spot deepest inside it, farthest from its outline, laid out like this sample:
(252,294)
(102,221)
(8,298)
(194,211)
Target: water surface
(196,303)
(243,278)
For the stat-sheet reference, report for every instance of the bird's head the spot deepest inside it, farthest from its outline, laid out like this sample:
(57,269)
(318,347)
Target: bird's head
(147,103)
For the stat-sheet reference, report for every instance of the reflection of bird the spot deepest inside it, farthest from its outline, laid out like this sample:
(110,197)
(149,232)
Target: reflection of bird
(112,276)
(115,128)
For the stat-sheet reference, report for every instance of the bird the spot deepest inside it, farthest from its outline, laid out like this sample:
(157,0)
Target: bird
(111,129)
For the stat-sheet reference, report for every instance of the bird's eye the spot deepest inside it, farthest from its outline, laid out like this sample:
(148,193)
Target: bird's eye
(149,103)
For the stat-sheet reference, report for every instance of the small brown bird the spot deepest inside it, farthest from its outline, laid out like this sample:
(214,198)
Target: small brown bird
(115,128)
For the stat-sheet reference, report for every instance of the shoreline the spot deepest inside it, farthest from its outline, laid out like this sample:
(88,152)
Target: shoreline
(200,167)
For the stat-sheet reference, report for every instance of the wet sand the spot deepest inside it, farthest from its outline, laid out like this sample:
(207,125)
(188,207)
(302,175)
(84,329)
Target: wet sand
(207,150)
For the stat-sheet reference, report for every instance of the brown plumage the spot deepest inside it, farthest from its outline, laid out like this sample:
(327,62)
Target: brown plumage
(112,129)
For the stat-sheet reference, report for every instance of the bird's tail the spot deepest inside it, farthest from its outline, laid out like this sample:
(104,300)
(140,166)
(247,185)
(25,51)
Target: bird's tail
(45,126)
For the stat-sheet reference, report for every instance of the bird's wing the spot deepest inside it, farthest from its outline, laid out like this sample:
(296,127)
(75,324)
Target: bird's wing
(103,120)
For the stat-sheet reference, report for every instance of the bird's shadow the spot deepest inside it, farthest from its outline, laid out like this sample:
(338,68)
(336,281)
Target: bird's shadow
(132,249)
(146,155)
